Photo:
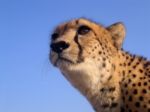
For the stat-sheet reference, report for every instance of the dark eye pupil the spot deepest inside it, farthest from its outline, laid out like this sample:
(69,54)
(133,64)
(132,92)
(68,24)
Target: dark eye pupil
(83,30)
(55,35)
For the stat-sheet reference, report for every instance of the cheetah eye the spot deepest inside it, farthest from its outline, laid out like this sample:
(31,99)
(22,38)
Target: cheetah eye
(54,36)
(83,30)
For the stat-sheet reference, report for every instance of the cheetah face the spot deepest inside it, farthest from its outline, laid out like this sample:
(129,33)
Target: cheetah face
(72,43)
(75,42)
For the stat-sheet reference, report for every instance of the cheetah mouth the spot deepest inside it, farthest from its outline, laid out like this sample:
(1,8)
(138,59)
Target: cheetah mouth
(62,60)
(65,59)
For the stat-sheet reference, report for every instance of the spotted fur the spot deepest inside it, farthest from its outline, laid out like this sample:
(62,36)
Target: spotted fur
(90,56)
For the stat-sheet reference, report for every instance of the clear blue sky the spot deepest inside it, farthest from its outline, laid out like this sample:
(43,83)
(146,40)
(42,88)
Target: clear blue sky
(28,83)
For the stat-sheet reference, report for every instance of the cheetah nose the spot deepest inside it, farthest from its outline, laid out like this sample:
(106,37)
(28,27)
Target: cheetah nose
(59,46)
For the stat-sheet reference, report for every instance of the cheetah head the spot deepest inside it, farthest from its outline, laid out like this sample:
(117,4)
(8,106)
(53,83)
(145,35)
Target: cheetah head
(81,45)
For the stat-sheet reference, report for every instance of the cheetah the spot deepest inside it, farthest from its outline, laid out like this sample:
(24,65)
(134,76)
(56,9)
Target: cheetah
(90,56)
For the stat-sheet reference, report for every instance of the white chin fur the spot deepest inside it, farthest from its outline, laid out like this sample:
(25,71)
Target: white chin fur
(83,75)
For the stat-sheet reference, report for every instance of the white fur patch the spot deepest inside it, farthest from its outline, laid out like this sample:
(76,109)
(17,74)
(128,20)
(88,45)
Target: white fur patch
(83,76)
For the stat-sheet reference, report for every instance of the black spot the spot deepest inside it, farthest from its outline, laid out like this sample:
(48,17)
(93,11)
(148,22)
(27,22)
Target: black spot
(139,84)
(112,98)
(124,64)
(125,85)
(144,91)
(127,57)
(137,104)
(104,65)
(129,71)
(100,52)
(145,83)
(134,66)
(134,75)
(141,78)
(129,64)
(135,91)
(133,84)
(93,57)
(122,109)
(130,98)
(123,72)
(126,92)
(141,98)
(102,89)
(145,106)
(141,70)
(147,64)
(104,59)
(129,80)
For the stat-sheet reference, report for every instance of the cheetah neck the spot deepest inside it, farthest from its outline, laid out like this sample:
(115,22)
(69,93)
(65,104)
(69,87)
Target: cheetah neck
(99,84)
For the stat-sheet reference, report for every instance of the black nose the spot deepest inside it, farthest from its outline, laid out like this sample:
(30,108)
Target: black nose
(59,46)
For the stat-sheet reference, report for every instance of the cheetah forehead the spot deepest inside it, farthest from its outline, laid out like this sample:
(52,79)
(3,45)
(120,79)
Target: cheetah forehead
(75,23)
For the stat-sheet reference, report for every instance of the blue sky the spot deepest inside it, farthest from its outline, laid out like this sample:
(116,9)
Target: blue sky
(28,82)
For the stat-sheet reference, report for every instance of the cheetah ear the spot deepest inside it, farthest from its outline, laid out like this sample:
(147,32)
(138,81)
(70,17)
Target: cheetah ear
(117,32)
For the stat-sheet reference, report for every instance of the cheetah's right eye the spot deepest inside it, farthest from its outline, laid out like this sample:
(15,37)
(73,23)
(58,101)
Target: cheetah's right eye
(54,36)
(83,30)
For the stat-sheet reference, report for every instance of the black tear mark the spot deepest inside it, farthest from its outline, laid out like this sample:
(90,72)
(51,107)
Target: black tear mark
(80,59)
